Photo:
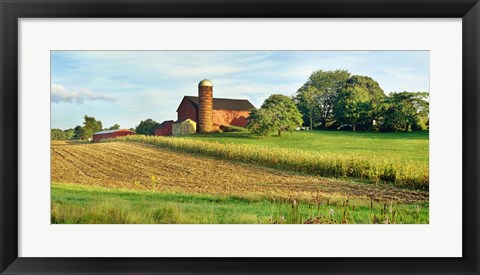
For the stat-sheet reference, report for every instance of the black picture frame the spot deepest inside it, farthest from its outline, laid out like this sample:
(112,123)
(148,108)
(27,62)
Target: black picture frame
(12,10)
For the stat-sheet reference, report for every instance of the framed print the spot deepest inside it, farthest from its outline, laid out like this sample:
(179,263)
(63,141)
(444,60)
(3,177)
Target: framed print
(225,137)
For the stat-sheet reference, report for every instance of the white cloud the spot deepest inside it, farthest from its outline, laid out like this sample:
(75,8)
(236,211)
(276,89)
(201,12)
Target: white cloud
(62,94)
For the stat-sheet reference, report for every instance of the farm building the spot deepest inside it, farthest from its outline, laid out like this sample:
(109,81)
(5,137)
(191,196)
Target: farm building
(111,134)
(164,129)
(210,113)
(183,127)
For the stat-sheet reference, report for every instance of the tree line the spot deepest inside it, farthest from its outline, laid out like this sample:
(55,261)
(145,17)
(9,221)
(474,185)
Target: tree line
(91,125)
(338,100)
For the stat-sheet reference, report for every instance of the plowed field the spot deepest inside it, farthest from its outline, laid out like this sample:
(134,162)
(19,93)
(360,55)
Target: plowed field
(131,166)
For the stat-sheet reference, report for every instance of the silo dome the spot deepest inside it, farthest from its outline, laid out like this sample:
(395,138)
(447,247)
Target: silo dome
(205,82)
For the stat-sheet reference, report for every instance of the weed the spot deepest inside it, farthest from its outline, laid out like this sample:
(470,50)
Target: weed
(76,204)
(154,183)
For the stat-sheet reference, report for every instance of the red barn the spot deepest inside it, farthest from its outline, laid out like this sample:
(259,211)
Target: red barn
(111,134)
(164,129)
(225,111)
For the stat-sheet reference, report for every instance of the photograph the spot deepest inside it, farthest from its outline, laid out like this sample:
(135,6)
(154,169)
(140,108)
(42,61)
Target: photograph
(208,137)
(239,137)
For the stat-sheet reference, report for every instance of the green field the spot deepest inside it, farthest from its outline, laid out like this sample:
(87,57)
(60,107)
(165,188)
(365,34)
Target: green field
(398,146)
(78,204)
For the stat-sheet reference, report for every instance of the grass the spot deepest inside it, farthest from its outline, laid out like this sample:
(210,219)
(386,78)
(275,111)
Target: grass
(77,204)
(397,158)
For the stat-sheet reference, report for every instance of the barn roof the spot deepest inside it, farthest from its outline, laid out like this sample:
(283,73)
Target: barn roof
(112,131)
(165,123)
(180,121)
(225,103)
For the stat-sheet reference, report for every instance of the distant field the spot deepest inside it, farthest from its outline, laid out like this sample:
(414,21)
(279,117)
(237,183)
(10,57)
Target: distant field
(77,204)
(399,146)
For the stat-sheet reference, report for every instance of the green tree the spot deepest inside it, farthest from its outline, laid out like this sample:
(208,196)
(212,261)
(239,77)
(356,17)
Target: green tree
(405,111)
(326,85)
(375,92)
(358,102)
(114,127)
(367,83)
(353,106)
(307,101)
(57,134)
(69,133)
(259,122)
(277,113)
(78,132)
(146,127)
(90,126)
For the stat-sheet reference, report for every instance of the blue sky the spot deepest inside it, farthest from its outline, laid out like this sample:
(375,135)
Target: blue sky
(126,87)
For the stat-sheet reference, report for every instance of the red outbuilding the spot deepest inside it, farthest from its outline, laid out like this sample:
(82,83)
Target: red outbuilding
(164,129)
(111,134)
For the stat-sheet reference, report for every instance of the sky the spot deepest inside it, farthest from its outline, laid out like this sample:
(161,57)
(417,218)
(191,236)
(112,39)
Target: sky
(126,87)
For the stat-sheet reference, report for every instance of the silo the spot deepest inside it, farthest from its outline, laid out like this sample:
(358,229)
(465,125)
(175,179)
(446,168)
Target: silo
(205,106)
